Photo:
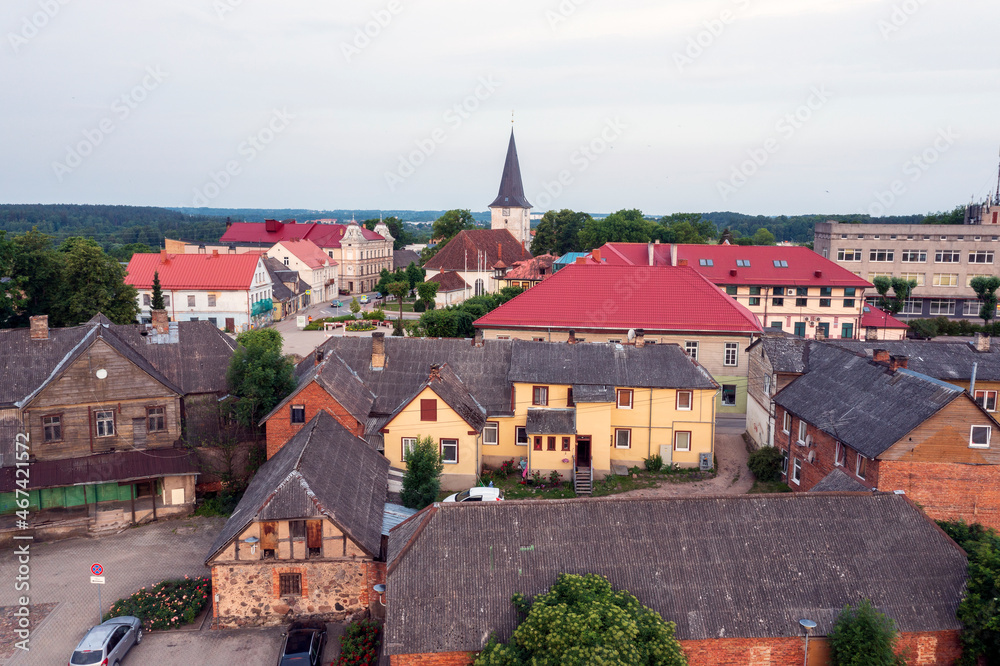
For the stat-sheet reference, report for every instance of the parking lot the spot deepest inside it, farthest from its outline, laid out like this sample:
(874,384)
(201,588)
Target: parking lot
(60,584)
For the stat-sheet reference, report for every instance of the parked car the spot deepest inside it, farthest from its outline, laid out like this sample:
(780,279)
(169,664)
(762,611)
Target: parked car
(476,495)
(337,304)
(364,299)
(303,643)
(108,642)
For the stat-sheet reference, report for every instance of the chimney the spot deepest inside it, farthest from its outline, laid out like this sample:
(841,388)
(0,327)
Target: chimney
(39,327)
(818,273)
(319,357)
(477,339)
(673,254)
(378,351)
(229,223)
(898,362)
(572,337)
(163,256)
(596,254)
(215,253)
(640,337)
(435,372)
(580,260)
(160,321)
(880,355)
(649,252)
(820,335)
(682,262)
(982,342)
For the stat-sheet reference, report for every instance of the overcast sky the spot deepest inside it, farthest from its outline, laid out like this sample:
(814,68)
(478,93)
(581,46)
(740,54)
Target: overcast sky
(755,106)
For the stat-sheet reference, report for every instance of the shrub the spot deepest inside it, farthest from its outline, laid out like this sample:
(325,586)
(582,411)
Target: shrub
(419,306)
(555,478)
(864,637)
(507,467)
(359,644)
(980,608)
(765,463)
(654,463)
(167,605)
(422,481)
(218,504)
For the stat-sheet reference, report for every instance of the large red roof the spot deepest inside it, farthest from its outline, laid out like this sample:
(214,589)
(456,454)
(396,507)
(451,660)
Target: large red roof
(799,266)
(272,231)
(663,298)
(478,249)
(308,252)
(876,318)
(193,271)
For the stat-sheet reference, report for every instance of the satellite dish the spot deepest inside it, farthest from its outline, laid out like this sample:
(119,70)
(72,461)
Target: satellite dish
(631,334)
(812,456)
(102,373)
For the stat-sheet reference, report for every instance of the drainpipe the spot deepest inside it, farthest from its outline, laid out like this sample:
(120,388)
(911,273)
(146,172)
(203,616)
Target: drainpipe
(649,436)
(972,383)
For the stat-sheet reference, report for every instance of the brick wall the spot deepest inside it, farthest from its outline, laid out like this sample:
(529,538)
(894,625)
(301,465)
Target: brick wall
(948,491)
(744,651)
(436,659)
(280,427)
(825,448)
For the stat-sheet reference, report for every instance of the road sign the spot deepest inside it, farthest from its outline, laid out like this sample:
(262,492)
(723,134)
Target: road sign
(98,580)
(96,569)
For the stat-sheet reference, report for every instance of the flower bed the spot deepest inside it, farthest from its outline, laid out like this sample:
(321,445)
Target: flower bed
(359,644)
(361,326)
(167,605)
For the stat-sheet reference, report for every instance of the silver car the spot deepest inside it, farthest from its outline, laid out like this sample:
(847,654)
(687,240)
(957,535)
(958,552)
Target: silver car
(107,643)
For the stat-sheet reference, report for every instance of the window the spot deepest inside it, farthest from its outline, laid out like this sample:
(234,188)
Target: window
(778,291)
(776,324)
(550,444)
(684,400)
(979,438)
(52,427)
(802,302)
(491,434)
(569,397)
(521,436)
(913,306)
(297,529)
(881,255)
(847,331)
(211,300)
(942,306)
(105,421)
(538,443)
(298,413)
(850,291)
(408,444)
(840,455)
(971,308)
(623,438)
(732,289)
(981,257)
(777,302)
(624,398)
(145,300)
(691,348)
(914,256)
(480,287)
(190,301)
(872,276)
(800,329)
(803,427)
(947,257)
(285,261)
(289,584)
(797,471)
(166,300)
(429,409)
(784,462)
(767,384)
(449,451)
(156,419)
(745,263)
(826,291)
(732,353)
(861,466)
(945,280)
(780,263)
(824,302)
(969,278)
(705,262)
(987,400)
(755,300)
(848,302)
(565,443)
(729,395)
(845,254)
(755,291)
(610,341)
(802,291)
(682,441)
(786,424)
(915,277)
(540,396)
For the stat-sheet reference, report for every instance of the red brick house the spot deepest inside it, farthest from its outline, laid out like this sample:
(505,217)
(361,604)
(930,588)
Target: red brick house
(707,564)
(855,423)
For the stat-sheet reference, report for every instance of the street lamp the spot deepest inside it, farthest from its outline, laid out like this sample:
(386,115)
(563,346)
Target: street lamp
(808,625)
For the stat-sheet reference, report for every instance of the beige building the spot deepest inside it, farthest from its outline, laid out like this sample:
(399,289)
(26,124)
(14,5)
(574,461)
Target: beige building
(313,265)
(942,259)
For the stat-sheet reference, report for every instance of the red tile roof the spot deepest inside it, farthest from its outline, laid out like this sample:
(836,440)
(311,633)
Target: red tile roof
(536,268)
(804,267)
(193,271)
(449,281)
(622,297)
(876,318)
(308,252)
(324,235)
(478,247)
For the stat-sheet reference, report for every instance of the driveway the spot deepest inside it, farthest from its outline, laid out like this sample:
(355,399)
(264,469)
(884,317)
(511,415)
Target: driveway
(142,556)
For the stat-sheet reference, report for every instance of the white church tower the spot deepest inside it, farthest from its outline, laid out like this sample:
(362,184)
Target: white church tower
(511,210)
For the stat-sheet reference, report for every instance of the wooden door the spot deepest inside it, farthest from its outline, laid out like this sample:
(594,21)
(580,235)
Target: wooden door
(269,536)
(314,533)
(230,324)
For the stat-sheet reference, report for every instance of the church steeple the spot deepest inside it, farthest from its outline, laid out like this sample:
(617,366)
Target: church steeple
(511,209)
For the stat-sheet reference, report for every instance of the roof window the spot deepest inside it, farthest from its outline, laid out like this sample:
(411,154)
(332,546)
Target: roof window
(780,263)
(743,262)
(705,262)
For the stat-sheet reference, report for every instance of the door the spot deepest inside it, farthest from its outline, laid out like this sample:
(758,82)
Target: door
(583,451)
(823,329)
(800,329)
(230,324)
(314,536)
(269,536)
(139,433)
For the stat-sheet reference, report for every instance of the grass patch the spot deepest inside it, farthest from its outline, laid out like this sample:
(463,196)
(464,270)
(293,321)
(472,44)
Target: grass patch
(769,487)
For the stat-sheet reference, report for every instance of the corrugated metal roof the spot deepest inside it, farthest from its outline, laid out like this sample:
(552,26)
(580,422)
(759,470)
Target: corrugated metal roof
(104,468)
(223,272)
(839,481)
(736,567)
(551,422)
(394,514)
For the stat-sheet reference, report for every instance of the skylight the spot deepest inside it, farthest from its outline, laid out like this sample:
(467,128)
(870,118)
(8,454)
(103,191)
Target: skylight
(780,263)
(743,262)
(705,262)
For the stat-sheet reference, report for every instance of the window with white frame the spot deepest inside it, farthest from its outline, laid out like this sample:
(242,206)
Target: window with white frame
(981,257)
(52,428)
(767,384)
(942,306)
(449,451)
(913,277)
(803,428)
(146,300)
(913,306)
(840,455)
(861,466)
(682,441)
(732,354)
(881,255)
(684,400)
(784,462)
(987,400)
(786,423)
(623,438)
(972,276)
(872,276)
(105,422)
(979,437)
(691,348)
(624,398)
(846,254)
(971,308)
(947,257)
(945,279)
(521,436)
(914,256)
(796,471)
(408,444)
(491,434)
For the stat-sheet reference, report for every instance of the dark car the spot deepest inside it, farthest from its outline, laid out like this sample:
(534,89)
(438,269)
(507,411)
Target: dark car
(303,644)
(107,643)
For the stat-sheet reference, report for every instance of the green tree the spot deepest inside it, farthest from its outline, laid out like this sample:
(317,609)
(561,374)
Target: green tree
(582,621)
(986,289)
(422,480)
(979,611)
(124,252)
(355,306)
(765,463)
(559,232)
(36,263)
(156,303)
(427,291)
(624,226)
(12,286)
(687,228)
(401,236)
(900,289)
(399,290)
(862,636)
(763,237)
(259,375)
(414,275)
(954,216)
(93,282)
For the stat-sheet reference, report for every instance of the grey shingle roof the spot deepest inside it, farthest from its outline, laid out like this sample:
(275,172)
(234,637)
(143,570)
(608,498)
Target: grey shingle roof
(449,387)
(787,354)
(651,366)
(593,393)
(944,360)
(838,480)
(745,566)
(862,403)
(26,365)
(322,470)
(403,258)
(551,422)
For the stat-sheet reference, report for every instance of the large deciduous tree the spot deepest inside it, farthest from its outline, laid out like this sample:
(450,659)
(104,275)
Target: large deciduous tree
(559,232)
(986,289)
(259,376)
(93,282)
(901,290)
(422,480)
(582,621)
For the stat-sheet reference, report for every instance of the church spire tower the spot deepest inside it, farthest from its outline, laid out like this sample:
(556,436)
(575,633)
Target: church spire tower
(511,210)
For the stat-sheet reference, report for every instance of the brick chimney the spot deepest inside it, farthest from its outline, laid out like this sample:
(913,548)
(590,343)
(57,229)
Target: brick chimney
(898,362)
(163,256)
(477,339)
(215,253)
(378,351)
(39,327)
(640,337)
(435,372)
(572,337)
(982,342)
(880,355)
(596,254)
(319,356)
(160,321)
(682,262)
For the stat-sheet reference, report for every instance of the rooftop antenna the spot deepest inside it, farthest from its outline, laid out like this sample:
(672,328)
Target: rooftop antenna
(996,198)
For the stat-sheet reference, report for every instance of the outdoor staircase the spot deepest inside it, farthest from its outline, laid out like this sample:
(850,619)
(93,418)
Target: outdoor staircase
(583,481)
